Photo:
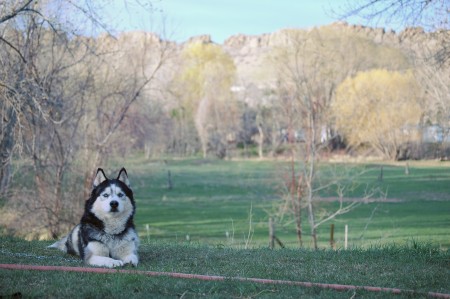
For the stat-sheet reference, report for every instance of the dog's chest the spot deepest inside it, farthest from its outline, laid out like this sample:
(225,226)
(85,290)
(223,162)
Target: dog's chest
(111,240)
(116,241)
(115,226)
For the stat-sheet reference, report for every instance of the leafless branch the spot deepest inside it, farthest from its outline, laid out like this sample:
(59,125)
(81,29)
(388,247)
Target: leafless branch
(15,12)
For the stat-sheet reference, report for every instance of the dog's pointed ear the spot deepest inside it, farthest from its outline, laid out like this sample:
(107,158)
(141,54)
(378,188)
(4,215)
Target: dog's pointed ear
(123,176)
(99,177)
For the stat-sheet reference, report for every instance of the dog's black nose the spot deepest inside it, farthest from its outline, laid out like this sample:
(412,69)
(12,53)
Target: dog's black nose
(114,204)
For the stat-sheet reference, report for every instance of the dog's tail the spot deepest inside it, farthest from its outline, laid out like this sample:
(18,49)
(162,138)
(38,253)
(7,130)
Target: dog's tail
(60,244)
(69,243)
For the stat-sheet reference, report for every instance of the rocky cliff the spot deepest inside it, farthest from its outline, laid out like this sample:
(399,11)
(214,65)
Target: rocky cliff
(378,47)
(248,51)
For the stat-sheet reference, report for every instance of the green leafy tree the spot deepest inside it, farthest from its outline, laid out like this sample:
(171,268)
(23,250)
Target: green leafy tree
(205,95)
(378,108)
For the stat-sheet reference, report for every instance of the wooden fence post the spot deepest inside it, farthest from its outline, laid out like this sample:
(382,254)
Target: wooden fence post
(271,233)
(346,237)
(272,237)
(332,244)
(169,180)
(380,177)
(147,228)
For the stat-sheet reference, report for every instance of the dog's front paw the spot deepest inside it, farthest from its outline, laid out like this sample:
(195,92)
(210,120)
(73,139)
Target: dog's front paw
(132,259)
(115,263)
(102,261)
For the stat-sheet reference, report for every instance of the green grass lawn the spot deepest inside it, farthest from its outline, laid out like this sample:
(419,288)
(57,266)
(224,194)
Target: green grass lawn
(217,209)
(229,203)
(415,267)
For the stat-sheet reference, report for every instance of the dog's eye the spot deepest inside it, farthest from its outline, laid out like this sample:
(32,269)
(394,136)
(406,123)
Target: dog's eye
(105,195)
(120,194)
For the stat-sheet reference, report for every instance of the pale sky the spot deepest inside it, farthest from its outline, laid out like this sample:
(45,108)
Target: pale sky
(224,18)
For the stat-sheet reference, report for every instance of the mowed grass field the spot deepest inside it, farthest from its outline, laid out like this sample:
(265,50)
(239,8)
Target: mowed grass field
(228,203)
(214,222)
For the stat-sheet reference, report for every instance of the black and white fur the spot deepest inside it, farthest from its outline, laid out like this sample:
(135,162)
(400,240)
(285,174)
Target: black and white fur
(106,236)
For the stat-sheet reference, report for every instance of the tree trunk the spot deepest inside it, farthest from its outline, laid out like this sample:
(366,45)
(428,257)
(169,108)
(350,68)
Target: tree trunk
(260,141)
(201,125)
(311,159)
(6,147)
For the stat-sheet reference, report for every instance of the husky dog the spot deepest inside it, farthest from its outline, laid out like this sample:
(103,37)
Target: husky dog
(106,236)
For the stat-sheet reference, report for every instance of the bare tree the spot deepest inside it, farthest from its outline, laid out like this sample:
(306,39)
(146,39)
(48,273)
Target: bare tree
(432,15)
(121,78)
(29,32)
(435,81)
(257,123)
(66,98)
(309,68)
(41,119)
(13,101)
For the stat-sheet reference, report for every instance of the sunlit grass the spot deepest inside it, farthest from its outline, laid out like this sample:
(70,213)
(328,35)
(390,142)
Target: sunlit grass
(212,200)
